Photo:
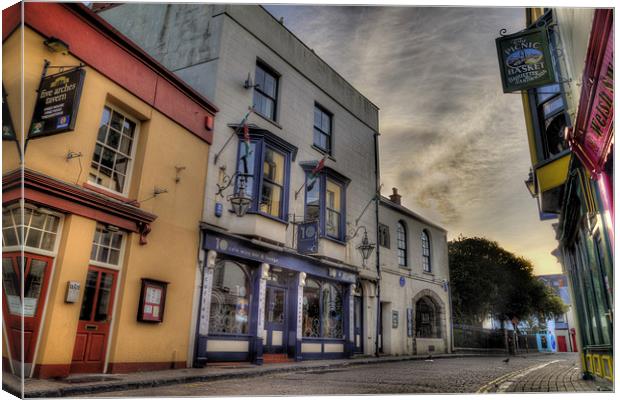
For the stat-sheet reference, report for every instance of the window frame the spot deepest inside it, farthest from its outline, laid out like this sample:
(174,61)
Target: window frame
(250,276)
(404,249)
(132,156)
(329,134)
(340,181)
(262,140)
(121,255)
(22,247)
(339,287)
(426,258)
(257,89)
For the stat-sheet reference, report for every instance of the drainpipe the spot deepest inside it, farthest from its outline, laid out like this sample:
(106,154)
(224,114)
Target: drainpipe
(378,265)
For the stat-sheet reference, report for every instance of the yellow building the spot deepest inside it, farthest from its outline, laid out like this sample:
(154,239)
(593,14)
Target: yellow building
(108,186)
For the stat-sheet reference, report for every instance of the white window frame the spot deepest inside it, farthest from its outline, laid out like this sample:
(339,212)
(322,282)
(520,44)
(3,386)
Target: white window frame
(132,156)
(35,250)
(429,256)
(121,256)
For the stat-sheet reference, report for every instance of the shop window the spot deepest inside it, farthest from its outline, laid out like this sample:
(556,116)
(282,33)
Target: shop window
(384,236)
(401,243)
(426,251)
(265,91)
(322,129)
(114,151)
(325,201)
(40,229)
(323,313)
(230,299)
(269,159)
(427,321)
(107,245)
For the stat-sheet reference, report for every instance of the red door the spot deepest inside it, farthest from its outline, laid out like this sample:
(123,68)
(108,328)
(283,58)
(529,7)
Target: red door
(36,271)
(94,325)
(562,344)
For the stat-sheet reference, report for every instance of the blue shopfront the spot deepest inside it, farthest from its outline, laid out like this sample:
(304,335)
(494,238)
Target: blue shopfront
(260,301)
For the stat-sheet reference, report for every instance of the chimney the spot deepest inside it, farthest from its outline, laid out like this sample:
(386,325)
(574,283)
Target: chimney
(395,197)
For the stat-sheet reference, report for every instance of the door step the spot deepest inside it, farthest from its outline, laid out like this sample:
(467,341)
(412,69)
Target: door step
(269,358)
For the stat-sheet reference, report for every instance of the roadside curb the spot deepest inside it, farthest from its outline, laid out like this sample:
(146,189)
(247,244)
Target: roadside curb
(79,389)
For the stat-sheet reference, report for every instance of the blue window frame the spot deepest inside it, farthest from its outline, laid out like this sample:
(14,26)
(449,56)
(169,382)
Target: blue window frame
(325,200)
(322,128)
(268,168)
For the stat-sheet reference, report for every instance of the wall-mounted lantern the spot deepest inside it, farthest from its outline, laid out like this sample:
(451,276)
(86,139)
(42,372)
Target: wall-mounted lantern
(240,200)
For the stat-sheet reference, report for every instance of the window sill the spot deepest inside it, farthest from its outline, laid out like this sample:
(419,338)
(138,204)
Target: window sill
(229,336)
(110,193)
(274,123)
(332,239)
(428,273)
(321,339)
(271,217)
(324,152)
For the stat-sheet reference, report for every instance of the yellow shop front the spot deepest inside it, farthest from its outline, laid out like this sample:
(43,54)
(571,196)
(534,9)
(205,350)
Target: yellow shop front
(102,196)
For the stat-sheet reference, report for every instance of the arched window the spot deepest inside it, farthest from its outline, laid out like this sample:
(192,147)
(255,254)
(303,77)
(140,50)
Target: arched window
(401,244)
(426,251)
(427,319)
(230,298)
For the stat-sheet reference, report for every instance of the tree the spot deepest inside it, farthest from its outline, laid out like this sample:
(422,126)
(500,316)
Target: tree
(489,280)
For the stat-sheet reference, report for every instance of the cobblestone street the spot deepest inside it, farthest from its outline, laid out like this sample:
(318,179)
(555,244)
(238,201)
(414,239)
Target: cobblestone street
(559,372)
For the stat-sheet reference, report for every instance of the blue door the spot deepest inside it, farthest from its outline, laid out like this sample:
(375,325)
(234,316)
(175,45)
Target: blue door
(275,319)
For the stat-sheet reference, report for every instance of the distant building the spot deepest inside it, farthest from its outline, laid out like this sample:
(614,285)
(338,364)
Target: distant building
(415,302)
(563,325)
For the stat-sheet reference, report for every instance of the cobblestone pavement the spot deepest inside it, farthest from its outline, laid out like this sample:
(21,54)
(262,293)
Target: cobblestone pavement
(455,375)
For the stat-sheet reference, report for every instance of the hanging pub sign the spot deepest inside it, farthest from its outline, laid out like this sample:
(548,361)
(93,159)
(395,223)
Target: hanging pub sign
(525,60)
(57,103)
(308,237)
(8,131)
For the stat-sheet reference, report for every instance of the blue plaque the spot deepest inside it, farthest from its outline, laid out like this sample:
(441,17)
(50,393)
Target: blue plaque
(402,281)
(218,209)
(308,237)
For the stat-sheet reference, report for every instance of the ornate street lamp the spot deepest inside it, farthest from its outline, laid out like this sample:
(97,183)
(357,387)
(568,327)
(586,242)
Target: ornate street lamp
(366,248)
(240,200)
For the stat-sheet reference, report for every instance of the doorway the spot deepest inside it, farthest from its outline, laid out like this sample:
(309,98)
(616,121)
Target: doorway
(36,272)
(358,346)
(275,319)
(93,328)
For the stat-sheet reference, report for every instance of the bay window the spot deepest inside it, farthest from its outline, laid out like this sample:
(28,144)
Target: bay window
(266,169)
(325,202)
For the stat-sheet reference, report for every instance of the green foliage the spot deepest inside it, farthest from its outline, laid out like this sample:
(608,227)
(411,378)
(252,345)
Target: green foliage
(489,280)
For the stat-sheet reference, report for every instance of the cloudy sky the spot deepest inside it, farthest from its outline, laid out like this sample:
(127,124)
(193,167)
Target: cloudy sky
(451,141)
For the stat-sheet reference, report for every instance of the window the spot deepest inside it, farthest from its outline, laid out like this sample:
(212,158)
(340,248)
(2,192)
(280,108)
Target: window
(325,201)
(322,129)
(265,92)
(401,244)
(384,235)
(111,163)
(230,299)
(39,229)
(107,244)
(426,252)
(323,314)
(549,107)
(269,159)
